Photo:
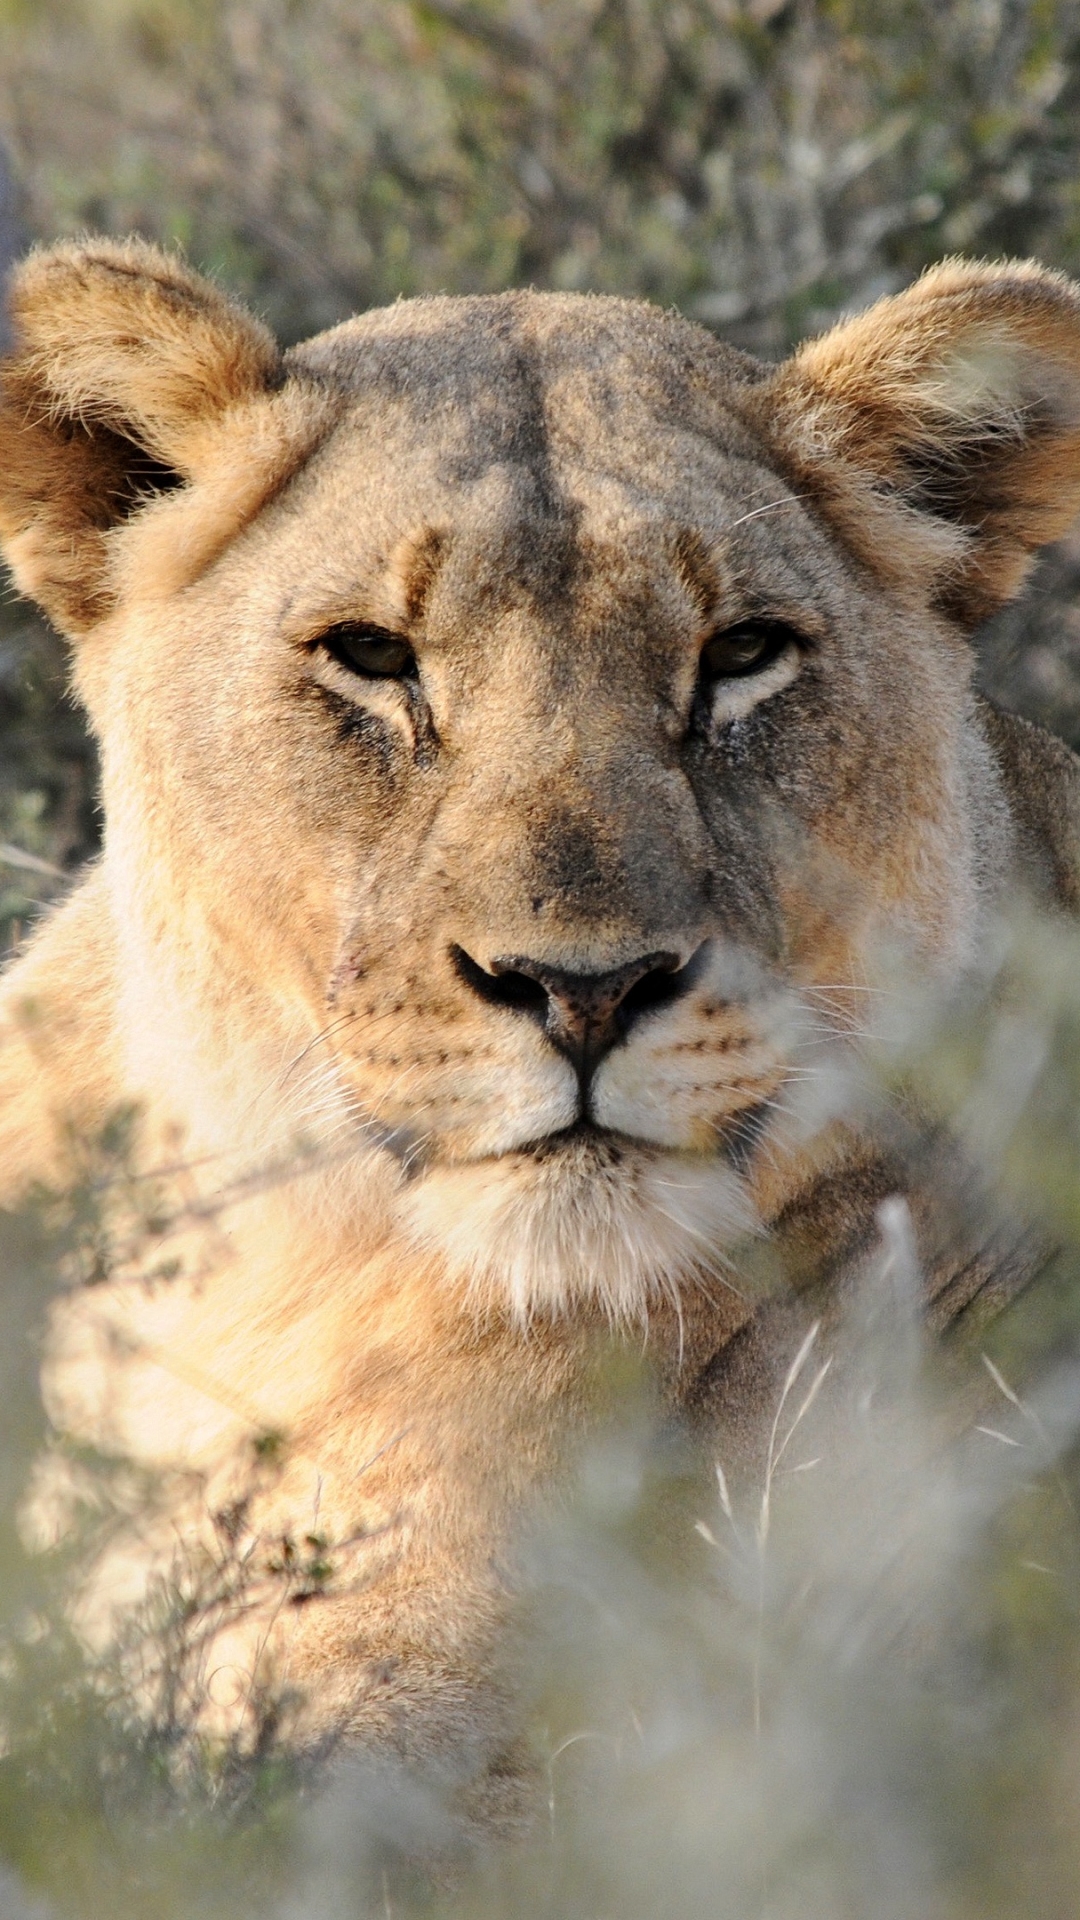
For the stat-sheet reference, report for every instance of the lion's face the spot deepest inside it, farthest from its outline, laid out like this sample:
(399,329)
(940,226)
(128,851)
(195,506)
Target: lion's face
(539,778)
(556,703)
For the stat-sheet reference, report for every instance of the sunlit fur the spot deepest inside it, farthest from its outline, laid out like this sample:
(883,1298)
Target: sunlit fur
(354,1200)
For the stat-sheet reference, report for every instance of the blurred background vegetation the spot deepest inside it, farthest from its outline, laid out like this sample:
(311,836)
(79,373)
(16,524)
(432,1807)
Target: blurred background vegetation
(733,1733)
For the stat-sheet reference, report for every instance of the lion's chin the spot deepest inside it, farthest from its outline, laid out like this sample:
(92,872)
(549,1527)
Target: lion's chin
(580,1218)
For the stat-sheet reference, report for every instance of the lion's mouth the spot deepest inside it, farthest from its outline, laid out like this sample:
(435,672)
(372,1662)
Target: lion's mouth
(737,1140)
(582,1137)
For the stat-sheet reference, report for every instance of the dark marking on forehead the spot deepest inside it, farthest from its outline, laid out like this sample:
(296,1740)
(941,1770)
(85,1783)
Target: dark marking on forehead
(477,385)
(419,562)
(512,432)
(697,570)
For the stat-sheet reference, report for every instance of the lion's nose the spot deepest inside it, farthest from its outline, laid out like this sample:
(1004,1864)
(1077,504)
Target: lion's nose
(583,1014)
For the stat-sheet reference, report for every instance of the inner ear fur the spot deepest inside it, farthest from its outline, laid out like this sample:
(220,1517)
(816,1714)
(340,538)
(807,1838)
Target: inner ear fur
(941,428)
(124,365)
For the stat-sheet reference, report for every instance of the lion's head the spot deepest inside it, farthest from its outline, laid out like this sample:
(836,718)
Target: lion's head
(526,721)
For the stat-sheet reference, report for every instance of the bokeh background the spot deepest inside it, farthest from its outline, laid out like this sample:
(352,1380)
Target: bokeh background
(868,1709)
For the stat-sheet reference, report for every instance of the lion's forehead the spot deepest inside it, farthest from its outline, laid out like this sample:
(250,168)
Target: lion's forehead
(544,385)
(563,451)
(511,341)
(608,527)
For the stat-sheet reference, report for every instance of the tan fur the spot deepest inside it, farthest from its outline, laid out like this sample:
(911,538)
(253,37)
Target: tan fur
(131,363)
(396,1244)
(972,408)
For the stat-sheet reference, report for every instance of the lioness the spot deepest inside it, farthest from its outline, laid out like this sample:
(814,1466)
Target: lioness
(531,730)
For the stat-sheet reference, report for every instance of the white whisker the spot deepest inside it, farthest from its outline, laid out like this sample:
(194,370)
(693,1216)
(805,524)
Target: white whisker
(787,500)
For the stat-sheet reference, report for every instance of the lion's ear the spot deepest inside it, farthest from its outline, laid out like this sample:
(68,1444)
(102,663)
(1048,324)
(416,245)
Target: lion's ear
(123,364)
(957,402)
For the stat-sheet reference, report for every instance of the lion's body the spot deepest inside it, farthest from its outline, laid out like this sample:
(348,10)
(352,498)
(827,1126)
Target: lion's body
(316,959)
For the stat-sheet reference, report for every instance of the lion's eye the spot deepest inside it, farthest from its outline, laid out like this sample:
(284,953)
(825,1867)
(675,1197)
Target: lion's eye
(370,651)
(747,648)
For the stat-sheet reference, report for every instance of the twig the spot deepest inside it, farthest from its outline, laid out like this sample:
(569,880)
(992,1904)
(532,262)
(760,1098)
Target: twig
(29,862)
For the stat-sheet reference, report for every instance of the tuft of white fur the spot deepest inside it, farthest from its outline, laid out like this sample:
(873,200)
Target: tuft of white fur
(547,1236)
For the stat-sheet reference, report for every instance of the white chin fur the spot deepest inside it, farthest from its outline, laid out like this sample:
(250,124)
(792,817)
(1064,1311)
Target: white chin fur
(542,1236)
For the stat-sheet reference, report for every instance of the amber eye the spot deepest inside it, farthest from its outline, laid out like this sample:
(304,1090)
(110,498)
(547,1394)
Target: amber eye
(370,651)
(747,648)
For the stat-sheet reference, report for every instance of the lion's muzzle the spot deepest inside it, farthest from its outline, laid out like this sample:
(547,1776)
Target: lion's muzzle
(584,1015)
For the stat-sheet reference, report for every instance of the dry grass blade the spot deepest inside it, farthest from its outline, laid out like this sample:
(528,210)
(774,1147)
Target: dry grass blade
(1002,1384)
(29,862)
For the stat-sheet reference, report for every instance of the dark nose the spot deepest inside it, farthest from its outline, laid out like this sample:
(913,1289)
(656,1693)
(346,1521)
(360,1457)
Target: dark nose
(583,1014)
